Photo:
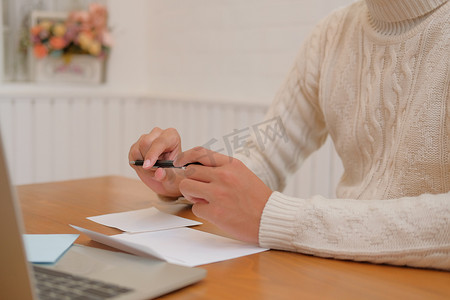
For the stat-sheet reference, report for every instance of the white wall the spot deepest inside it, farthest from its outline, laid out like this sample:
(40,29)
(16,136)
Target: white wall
(230,50)
(234,50)
(128,67)
(169,56)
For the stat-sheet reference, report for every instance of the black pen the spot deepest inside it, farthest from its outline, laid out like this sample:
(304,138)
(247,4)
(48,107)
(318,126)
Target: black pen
(162,164)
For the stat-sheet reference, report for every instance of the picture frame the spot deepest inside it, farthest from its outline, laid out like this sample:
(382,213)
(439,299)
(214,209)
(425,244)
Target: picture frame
(73,68)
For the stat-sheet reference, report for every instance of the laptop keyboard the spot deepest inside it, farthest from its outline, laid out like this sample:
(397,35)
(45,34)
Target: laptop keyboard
(52,284)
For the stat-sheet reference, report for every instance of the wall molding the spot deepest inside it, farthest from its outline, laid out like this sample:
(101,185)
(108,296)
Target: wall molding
(52,138)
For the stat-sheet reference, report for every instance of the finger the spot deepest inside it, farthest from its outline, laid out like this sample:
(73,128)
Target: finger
(146,141)
(168,142)
(134,153)
(194,189)
(201,209)
(202,155)
(138,149)
(199,173)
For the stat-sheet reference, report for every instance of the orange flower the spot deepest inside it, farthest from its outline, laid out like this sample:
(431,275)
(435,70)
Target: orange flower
(35,30)
(57,43)
(40,50)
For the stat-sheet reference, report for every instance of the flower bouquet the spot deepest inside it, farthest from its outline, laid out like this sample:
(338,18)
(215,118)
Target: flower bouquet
(73,46)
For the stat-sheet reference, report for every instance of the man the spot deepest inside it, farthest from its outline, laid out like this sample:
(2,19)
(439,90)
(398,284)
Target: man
(375,77)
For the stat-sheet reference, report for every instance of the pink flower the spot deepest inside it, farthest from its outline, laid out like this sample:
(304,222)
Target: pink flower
(78,17)
(98,16)
(35,39)
(106,38)
(71,33)
(43,34)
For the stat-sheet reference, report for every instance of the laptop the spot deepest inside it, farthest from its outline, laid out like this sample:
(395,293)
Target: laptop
(102,274)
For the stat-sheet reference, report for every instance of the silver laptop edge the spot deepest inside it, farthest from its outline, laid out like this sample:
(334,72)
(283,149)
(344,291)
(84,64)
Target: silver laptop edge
(15,282)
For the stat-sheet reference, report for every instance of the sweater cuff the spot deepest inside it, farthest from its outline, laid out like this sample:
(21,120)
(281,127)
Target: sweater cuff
(277,227)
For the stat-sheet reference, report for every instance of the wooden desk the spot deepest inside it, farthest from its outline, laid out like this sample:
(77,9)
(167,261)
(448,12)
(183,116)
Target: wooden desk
(50,207)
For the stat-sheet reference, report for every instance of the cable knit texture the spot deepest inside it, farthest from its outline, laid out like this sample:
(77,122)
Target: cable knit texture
(382,93)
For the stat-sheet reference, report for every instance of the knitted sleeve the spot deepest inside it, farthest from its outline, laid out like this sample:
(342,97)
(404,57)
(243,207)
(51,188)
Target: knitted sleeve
(412,231)
(294,126)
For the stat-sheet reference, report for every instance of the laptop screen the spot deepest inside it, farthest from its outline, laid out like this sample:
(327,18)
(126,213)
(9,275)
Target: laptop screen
(15,282)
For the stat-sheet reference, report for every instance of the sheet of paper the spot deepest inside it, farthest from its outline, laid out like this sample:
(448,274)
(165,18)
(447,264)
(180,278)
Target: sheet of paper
(47,248)
(142,220)
(190,247)
(183,246)
(121,245)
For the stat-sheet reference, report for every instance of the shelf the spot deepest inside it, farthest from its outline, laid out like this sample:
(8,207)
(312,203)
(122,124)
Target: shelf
(25,89)
(46,90)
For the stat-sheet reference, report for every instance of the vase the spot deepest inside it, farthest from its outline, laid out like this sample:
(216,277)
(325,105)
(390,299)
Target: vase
(68,69)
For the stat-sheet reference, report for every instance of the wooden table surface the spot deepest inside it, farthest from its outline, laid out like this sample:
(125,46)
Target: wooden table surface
(50,207)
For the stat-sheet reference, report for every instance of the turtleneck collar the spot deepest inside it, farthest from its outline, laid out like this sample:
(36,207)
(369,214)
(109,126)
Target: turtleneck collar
(398,16)
(400,10)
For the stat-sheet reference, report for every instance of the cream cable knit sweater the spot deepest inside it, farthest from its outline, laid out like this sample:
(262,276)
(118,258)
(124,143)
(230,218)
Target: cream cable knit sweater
(375,76)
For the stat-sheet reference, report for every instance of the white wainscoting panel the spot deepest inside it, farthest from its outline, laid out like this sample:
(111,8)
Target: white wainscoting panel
(60,138)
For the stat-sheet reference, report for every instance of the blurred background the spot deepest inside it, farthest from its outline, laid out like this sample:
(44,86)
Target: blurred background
(209,68)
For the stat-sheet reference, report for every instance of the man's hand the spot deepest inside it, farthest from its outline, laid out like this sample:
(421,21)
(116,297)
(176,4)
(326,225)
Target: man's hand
(224,191)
